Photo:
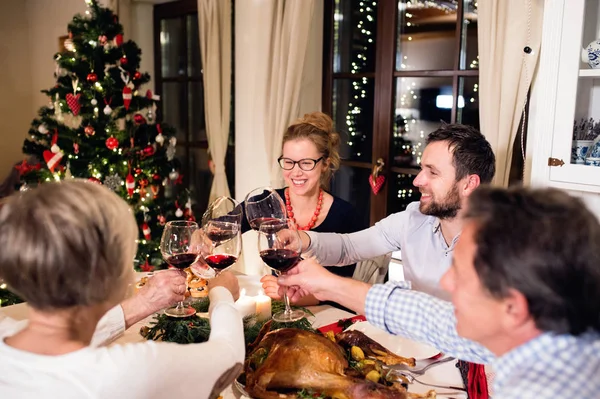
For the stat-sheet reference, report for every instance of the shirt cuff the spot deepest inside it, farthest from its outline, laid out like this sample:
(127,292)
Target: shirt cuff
(376,302)
(219,295)
(110,327)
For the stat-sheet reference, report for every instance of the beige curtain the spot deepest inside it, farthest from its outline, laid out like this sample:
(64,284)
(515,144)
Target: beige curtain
(290,28)
(505,28)
(214,22)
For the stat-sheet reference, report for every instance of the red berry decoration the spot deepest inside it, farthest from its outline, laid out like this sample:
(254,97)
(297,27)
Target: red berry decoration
(112,143)
(139,119)
(156,176)
(148,151)
(138,171)
(123,60)
(92,78)
(137,75)
(89,130)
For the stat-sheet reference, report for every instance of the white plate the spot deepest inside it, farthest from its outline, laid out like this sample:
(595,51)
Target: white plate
(444,374)
(400,346)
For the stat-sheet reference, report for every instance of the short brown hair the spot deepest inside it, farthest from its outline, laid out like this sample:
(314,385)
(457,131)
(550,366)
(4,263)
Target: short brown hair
(318,128)
(472,154)
(67,244)
(545,244)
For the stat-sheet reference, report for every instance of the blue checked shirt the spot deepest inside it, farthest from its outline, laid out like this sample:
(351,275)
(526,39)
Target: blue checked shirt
(548,366)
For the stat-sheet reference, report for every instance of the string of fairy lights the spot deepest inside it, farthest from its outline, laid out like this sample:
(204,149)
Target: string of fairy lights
(409,96)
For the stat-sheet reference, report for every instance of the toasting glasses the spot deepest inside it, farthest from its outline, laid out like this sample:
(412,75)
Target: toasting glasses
(280,245)
(263,205)
(221,234)
(177,250)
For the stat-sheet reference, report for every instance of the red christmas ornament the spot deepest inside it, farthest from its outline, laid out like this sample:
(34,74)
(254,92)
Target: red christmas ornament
(76,148)
(92,78)
(94,180)
(156,176)
(123,60)
(73,103)
(137,75)
(89,130)
(139,119)
(112,143)
(127,97)
(138,171)
(119,40)
(146,231)
(148,151)
(102,39)
(376,183)
(130,184)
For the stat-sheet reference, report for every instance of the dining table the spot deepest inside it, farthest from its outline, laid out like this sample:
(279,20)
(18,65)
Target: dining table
(446,374)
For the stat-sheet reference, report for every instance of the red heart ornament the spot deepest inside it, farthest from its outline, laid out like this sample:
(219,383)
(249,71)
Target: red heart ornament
(376,183)
(52,159)
(73,103)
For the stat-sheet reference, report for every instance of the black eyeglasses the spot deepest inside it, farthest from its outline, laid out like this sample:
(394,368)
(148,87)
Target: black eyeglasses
(306,164)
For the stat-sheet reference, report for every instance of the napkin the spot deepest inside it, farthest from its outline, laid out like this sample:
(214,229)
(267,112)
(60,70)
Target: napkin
(475,379)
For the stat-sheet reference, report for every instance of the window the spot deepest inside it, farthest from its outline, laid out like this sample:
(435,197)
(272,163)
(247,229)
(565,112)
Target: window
(179,81)
(393,69)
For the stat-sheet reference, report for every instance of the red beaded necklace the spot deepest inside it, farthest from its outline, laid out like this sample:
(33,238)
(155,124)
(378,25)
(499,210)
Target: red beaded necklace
(290,210)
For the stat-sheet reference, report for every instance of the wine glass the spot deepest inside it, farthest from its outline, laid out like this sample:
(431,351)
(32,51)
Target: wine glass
(224,209)
(262,205)
(279,246)
(177,251)
(222,244)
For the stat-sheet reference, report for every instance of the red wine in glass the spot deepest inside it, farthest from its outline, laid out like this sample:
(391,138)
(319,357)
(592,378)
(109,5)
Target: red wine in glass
(256,222)
(182,261)
(220,262)
(220,236)
(280,259)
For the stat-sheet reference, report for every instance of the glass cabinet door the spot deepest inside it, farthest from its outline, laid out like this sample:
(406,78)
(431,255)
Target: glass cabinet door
(577,112)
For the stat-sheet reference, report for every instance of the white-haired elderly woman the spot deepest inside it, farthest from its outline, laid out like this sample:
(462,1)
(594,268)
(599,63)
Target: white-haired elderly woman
(67,248)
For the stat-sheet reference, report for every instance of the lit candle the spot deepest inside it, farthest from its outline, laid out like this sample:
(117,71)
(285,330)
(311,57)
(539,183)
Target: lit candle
(245,305)
(263,306)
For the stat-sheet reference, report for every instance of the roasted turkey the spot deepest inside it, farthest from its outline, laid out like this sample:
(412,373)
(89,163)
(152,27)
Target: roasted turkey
(288,360)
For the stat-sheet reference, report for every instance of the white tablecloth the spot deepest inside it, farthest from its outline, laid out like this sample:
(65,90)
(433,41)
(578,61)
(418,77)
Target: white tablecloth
(446,374)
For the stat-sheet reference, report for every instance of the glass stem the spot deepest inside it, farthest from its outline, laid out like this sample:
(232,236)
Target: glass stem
(286,300)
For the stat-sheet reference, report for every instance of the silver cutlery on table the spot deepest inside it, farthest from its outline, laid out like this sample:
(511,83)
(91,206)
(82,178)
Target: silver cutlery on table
(407,377)
(421,365)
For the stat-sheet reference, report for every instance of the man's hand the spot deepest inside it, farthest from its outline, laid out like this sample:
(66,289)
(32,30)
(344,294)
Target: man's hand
(270,286)
(308,277)
(228,280)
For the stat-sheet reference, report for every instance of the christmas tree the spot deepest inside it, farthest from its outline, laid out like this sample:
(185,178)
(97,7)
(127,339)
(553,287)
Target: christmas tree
(100,125)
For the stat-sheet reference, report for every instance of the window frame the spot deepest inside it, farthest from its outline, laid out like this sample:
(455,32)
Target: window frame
(384,76)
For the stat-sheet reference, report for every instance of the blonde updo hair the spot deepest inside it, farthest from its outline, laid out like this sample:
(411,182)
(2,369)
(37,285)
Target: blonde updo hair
(318,128)
(67,244)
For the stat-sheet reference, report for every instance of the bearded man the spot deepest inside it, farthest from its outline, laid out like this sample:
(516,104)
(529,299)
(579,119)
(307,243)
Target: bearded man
(456,160)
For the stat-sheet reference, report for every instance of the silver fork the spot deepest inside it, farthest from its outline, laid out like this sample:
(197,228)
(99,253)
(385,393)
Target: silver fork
(401,376)
(421,365)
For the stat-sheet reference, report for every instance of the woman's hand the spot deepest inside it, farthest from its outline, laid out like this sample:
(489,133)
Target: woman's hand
(270,286)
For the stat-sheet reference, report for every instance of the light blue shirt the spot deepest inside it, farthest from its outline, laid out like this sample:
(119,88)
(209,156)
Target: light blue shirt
(548,366)
(425,254)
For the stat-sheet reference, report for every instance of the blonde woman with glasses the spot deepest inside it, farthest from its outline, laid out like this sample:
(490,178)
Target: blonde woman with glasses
(309,158)
(67,249)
